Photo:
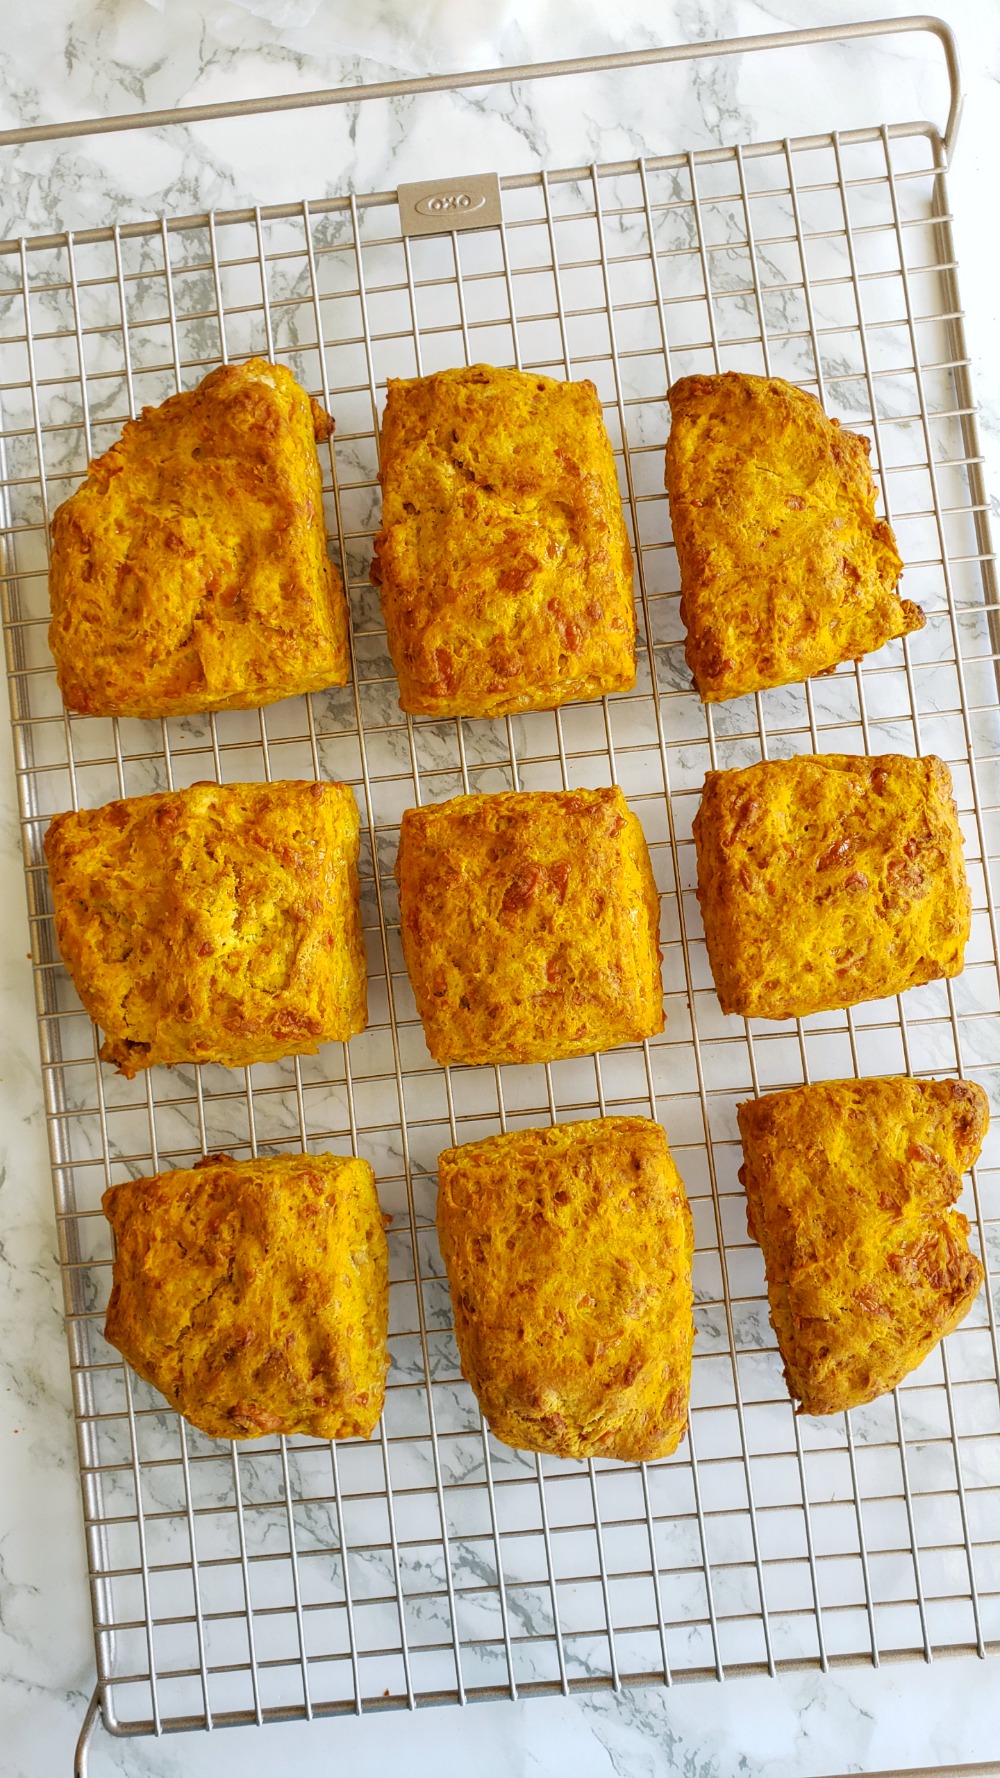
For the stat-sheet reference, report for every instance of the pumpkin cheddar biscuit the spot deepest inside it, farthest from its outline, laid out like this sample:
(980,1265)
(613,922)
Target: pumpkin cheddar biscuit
(850,1186)
(785,570)
(254,1295)
(530,925)
(503,562)
(215,924)
(568,1252)
(189,572)
(829,879)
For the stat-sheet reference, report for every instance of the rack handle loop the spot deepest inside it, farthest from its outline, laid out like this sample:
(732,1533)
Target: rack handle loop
(87,1731)
(435,83)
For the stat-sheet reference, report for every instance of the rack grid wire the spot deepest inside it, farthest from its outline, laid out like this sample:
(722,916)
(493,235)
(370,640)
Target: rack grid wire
(294,1578)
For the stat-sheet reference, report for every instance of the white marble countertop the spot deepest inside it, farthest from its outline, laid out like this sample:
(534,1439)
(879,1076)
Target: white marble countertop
(71,58)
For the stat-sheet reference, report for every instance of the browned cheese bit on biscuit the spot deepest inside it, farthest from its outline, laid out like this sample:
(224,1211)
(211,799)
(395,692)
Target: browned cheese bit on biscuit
(849,1192)
(189,572)
(254,1295)
(829,879)
(215,924)
(530,924)
(503,561)
(568,1253)
(785,570)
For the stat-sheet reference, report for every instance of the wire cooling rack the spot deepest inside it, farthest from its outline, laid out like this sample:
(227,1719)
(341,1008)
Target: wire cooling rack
(293,1578)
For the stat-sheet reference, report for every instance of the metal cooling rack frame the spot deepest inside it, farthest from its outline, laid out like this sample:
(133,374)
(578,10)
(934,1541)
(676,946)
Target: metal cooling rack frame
(296,1579)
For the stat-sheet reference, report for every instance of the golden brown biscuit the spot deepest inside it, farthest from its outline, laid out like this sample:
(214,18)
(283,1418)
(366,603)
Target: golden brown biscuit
(785,570)
(849,1191)
(215,924)
(254,1295)
(190,572)
(530,925)
(829,879)
(568,1253)
(503,561)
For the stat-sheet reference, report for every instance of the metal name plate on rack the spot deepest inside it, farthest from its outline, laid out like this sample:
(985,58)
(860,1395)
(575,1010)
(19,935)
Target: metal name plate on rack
(294,1578)
(435,206)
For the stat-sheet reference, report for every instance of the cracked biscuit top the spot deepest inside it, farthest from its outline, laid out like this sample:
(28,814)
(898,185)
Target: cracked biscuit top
(254,1295)
(850,1186)
(215,924)
(530,925)
(503,562)
(190,572)
(829,879)
(568,1252)
(785,570)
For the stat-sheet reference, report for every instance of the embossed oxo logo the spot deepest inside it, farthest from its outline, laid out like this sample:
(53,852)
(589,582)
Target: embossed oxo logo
(446,201)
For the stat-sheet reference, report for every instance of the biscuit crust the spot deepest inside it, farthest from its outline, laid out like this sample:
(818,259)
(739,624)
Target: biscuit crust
(503,561)
(568,1253)
(530,925)
(189,572)
(215,924)
(849,1192)
(254,1295)
(785,570)
(829,879)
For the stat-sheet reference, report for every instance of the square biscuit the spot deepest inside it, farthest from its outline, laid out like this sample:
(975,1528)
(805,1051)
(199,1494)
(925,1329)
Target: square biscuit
(254,1295)
(785,570)
(849,1191)
(189,572)
(215,924)
(530,924)
(568,1252)
(829,879)
(502,560)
